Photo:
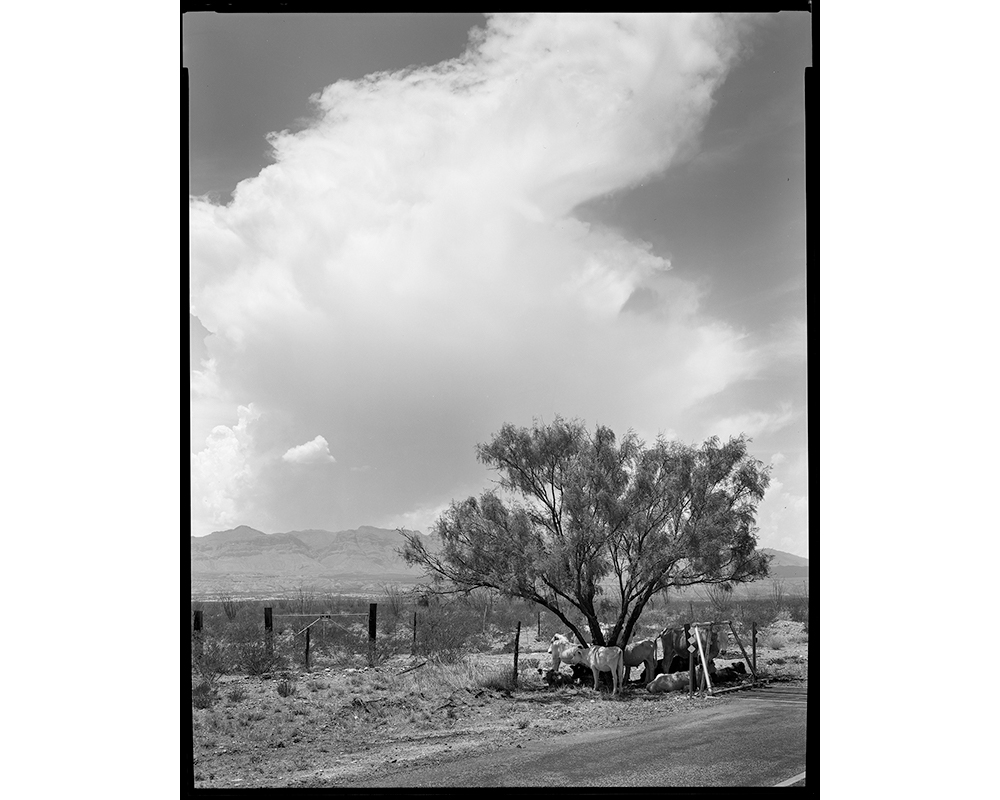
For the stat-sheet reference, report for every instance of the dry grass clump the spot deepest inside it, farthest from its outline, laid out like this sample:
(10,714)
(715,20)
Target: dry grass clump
(202,695)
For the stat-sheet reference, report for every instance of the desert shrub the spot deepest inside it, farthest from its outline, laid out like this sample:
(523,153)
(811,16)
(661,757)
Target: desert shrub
(245,628)
(720,599)
(759,610)
(392,609)
(202,695)
(445,631)
(774,642)
(776,599)
(230,607)
(237,694)
(254,659)
(286,688)
(214,661)
(798,609)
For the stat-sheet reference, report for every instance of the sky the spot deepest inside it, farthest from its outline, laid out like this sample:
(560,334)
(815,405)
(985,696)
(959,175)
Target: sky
(408,230)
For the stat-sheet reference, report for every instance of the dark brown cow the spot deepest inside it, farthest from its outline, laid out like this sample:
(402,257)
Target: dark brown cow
(676,646)
(736,672)
(552,677)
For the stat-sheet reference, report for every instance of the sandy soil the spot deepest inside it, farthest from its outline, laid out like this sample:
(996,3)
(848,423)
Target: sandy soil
(342,724)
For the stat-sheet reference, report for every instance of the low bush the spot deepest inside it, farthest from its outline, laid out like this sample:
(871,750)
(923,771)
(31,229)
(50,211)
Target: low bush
(445,631)
(202,695)
(215,660)
(798,609)
(254,658)
(286,688)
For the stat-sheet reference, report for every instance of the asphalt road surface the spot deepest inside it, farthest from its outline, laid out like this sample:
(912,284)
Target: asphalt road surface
(758,738)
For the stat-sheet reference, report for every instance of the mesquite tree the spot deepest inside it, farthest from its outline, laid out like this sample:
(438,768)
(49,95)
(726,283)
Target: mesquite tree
(578,515)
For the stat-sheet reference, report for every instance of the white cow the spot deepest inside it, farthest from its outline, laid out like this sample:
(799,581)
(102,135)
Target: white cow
(599,659)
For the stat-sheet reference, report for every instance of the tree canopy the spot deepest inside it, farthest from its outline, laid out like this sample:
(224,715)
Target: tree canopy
(579,515)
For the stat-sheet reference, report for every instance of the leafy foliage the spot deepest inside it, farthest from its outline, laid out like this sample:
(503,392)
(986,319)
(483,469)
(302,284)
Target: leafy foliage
(578,515)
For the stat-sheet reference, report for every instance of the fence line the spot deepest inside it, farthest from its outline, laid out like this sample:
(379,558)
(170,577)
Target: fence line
(689,629)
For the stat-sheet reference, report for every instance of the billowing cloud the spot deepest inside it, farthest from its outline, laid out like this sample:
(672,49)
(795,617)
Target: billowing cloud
(316,451)
(222,475)
(410,266)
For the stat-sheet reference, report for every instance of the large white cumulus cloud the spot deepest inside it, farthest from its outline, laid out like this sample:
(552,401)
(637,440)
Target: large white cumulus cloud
(416,242)
(222,474)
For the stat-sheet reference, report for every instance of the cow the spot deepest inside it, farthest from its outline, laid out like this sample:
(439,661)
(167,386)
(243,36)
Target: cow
(557,647)
(675,646)
(599,659)
(731,674)
(642,652)
(668,683)
(555,678)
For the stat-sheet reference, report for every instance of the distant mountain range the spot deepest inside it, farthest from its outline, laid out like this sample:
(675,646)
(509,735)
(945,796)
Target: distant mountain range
(786,565)
(246,560)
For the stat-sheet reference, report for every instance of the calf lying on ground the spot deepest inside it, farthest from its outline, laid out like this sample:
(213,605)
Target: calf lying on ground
(673,682)
(553,677)
(731,674)
(678,681)
(718,677)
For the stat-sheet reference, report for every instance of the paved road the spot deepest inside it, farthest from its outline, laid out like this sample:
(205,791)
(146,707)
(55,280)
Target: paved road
(758,738)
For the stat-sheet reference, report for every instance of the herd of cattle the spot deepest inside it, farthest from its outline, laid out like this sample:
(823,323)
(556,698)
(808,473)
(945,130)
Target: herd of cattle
(666,673)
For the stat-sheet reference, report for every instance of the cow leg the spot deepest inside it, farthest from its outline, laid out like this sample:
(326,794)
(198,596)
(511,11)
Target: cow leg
(596,676)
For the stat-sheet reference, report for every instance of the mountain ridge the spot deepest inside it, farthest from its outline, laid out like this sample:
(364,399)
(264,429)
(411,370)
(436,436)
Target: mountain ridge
(364,557)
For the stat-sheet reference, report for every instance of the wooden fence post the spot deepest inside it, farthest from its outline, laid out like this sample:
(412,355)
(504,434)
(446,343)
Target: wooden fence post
(517,642)
(268,633)
(753,646)
(708,646)
(413,647)
(372,616)
(742,650)
(538,637)
(687,641)
(198,646)
(308,631)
